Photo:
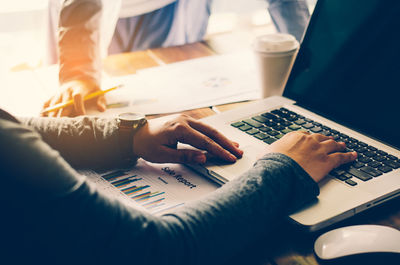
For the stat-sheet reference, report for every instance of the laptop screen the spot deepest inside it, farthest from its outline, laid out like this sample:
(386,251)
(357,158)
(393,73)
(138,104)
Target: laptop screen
(348,66)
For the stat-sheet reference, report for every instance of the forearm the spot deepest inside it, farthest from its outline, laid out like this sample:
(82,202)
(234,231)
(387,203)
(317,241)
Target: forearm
(78,40)
(241,211)
(204,232)
(50,203)
(82,141)
(289,16)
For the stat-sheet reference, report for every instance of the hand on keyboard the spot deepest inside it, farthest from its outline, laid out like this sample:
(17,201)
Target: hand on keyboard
(371,162)
(317,154)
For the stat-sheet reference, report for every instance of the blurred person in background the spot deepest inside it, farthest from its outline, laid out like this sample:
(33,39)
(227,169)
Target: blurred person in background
(82,32)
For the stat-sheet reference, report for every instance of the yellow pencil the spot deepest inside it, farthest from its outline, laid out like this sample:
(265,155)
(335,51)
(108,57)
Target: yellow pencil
(71,101)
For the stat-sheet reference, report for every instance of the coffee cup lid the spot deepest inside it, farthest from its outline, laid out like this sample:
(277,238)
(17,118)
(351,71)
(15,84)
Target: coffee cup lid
(277,42)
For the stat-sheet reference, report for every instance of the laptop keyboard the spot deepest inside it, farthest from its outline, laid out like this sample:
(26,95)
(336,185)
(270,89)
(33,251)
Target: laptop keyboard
(371,162)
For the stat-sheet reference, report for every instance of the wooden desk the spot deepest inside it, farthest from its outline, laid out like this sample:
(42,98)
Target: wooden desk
(288,245)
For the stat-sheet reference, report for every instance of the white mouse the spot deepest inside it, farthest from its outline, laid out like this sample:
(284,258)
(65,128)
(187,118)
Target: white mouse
(358,239)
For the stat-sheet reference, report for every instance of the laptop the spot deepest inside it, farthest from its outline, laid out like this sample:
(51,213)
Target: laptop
(344,83)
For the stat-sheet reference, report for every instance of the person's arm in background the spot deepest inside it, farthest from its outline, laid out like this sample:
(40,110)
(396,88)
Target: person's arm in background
(55,216)
(289,16)
(79,56)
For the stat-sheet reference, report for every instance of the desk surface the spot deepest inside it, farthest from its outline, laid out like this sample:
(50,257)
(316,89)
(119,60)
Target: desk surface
(288,245)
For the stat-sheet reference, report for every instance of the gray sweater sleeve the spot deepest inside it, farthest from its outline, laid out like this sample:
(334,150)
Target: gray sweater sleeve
(83,141)
(75,224)
(209,231)
(79,40)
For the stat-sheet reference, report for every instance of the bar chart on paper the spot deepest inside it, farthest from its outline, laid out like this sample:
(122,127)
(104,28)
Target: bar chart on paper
(140,193)
(154,187)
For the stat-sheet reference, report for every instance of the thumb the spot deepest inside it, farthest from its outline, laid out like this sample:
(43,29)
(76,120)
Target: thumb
(79,106)
(182,156)
(101,103)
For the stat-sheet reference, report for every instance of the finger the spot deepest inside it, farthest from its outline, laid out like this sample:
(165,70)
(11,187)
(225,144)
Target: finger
(193,137)
(55,100)
(338,159)
(67,110)
(216,136)
(59,111)
(320,137)
(332,146)
(184,156)
(78,104)
(101,103)
(45,105)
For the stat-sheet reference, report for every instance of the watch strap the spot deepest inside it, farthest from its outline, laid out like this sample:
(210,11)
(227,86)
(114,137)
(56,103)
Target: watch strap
(127,129)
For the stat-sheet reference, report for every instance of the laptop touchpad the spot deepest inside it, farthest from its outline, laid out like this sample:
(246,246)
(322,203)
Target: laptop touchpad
(232,170)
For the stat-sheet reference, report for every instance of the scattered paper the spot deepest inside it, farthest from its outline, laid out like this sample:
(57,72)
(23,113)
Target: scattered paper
(192,84)
(197,83)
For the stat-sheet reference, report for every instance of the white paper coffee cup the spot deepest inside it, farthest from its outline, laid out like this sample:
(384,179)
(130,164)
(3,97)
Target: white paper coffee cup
(275,54)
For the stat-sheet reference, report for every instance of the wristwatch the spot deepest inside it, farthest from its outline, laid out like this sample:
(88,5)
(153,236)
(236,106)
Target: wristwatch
(128,124)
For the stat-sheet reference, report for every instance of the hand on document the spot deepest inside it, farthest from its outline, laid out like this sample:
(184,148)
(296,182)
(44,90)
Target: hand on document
(317,154)
(75,90)
(157,142)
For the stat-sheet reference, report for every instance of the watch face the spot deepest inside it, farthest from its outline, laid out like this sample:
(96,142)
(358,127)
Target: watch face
(130,116)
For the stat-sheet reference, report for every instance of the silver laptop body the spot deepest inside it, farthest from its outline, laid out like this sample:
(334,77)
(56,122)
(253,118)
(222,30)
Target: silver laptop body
(337,200)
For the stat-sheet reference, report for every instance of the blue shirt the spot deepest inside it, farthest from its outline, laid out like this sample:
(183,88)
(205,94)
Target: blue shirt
(182,22)
(185,21)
